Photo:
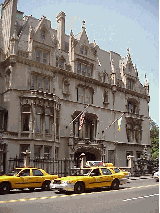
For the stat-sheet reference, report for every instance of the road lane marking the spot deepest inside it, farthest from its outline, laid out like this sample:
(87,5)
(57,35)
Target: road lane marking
(135,198)
(51,197)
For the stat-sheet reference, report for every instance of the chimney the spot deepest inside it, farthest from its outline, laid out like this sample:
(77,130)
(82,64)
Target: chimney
(61,30)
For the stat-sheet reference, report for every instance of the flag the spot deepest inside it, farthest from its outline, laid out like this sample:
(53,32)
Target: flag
(119,123)
(82,120)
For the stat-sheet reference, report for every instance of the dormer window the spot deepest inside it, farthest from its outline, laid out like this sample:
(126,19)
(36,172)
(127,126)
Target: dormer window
(83,50)
(130,84)
(43,34)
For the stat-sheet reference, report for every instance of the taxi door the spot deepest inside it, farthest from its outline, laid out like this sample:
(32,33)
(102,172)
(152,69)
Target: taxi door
(37,177)
(23,179)
(95,179)
(107,177)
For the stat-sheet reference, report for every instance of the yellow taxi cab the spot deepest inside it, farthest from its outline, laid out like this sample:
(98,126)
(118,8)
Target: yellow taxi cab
(118,171)
(88,178)
(30,178)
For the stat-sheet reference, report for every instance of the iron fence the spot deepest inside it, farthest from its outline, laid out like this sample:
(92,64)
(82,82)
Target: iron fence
(52,166)
(143,166)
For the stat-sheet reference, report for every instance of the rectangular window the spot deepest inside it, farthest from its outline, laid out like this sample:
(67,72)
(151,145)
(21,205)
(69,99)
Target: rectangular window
(83,69)
(78,68)
(47,86)
(37,151)
(89,71)
(57,124)
(88,96)
(44,57)
(56,153)
(80,95)
(38,120)
(38,53)
(40,83)
(47,151)
(33,82)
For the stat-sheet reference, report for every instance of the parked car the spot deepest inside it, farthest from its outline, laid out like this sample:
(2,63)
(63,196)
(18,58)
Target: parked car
(156,176)
(22,178)
(88,178)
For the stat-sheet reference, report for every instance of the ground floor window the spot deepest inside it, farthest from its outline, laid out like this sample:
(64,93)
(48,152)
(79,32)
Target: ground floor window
(47,152)
(23,148)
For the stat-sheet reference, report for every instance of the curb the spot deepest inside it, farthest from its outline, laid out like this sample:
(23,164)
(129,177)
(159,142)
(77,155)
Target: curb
(138,178)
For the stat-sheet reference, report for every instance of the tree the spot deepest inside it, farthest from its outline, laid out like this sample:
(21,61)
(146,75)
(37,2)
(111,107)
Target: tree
(154,135)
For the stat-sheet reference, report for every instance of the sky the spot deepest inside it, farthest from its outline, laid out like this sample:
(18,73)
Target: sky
(115,25)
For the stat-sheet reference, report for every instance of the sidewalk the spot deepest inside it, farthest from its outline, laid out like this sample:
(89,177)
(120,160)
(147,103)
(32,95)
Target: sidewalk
(141,177)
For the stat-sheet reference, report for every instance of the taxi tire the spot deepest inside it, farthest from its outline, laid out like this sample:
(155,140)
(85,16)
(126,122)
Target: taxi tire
(31,189)
(46,186)
(5,188)
(115,185)
(79,188)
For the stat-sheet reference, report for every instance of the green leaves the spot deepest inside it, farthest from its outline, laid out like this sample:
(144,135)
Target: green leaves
(154,135)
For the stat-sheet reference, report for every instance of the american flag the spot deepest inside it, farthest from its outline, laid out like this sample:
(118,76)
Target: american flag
(82,120)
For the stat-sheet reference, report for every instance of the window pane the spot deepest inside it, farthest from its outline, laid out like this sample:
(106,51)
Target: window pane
(38,110)
(26,109)
(38,123)
(38,55)
(83,69)
(33,82)
(44,58)
(80,95)
(47,126)
(25,121)
(40,83)
(37,151)
(78,68)
(46,85)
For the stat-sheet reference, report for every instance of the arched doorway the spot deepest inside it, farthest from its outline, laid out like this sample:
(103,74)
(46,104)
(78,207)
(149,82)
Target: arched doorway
(91,154)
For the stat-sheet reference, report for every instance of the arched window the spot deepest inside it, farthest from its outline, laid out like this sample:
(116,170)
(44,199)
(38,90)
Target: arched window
(129,131)
(26,114)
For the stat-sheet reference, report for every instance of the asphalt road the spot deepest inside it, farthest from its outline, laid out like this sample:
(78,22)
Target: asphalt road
(137,196)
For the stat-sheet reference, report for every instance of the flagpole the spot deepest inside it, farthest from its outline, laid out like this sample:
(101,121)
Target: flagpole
(77,116)
(112,123)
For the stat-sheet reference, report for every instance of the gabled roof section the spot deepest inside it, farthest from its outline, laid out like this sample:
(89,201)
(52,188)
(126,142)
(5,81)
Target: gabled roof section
(44,24)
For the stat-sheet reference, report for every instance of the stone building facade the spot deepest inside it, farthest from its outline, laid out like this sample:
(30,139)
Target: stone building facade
(47,78)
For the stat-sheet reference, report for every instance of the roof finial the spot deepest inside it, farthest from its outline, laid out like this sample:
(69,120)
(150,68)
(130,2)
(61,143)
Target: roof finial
(128,50)
(83,26)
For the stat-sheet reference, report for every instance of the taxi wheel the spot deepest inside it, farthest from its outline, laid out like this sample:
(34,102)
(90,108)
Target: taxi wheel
(31,189)
(5,188)
(46,186)
(79,188)
(115,184)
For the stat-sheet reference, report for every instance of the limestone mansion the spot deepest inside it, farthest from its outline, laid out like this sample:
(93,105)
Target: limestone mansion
(47,78)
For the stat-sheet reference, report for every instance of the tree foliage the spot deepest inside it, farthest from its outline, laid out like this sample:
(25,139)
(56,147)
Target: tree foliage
(154,135)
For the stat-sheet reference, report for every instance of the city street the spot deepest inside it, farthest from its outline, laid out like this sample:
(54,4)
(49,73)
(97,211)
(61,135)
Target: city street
(137,196)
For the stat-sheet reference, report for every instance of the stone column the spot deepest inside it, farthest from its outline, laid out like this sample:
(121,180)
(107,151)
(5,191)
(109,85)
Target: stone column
(130,163)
